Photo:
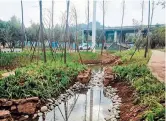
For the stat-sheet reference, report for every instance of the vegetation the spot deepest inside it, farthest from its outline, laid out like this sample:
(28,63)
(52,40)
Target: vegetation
(158,38)
(43,79)
(150,91)
(37,78)
(12,60)
(137,58)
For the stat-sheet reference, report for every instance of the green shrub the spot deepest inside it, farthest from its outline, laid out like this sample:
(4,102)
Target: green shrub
(148,88)
(42,80)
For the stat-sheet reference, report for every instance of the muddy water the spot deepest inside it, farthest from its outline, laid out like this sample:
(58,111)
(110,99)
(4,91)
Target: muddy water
(87,105)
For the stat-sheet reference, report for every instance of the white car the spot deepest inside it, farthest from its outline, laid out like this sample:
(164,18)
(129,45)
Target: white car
(84,47)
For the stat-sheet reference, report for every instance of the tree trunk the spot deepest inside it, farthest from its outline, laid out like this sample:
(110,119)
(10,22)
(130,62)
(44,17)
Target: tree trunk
(41,31)
(66,31)
(147,41)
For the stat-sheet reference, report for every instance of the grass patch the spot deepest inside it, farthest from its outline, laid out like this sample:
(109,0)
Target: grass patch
(43,80)
(149,90)
(137,58)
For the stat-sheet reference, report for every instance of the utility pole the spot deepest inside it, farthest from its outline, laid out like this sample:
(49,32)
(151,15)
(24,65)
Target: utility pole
(87,27)
(94,26)
(122,25)
(22,27)
(41,31)
(67,29)
(147,41)
(103,29)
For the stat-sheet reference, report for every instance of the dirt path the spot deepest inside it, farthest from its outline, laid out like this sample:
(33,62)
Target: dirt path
(157,65)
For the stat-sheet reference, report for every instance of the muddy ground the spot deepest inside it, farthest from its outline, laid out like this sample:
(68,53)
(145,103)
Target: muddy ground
(129,111)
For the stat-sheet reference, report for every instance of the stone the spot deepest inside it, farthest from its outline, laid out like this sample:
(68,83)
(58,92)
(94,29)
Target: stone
(21,101)
(44,109)
(113,119)
(27,108)
(13,107)
(49,100)
(17,101)
(51,107)
(56,103)
(23,118)
(8,103)
(40,114)
(34,116)
(4,114)
(107,118)
(35,99)
(3,100)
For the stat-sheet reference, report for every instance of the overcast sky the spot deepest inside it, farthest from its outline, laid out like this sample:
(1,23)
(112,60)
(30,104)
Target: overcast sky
(9,8)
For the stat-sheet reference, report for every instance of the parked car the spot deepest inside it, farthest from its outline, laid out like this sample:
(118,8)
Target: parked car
(84,46)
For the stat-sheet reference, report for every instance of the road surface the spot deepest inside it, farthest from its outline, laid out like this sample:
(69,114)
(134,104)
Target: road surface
(157,65)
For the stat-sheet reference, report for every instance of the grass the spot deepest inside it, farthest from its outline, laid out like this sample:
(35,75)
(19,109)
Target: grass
(37,78)
(44,80)
(149,90)
(137,58)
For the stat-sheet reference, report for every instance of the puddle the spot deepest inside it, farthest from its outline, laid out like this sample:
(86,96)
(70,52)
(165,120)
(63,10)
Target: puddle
(90,105)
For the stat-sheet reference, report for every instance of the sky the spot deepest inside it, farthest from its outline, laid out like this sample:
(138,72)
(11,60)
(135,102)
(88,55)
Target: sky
(113,16)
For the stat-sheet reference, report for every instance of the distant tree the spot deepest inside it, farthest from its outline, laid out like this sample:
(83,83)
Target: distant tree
(158,38)
(10,32)
(33,33)
(162,3)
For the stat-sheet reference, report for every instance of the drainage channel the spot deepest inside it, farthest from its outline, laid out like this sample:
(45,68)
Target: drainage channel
(91,103)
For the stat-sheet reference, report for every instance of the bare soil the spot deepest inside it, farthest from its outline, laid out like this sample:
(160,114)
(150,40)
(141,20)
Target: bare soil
(129,111)
(104,59)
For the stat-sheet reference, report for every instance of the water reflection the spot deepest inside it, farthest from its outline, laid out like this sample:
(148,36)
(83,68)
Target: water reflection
(91,105)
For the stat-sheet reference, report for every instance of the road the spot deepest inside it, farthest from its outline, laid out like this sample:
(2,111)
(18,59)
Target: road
(8,50)
(157,65)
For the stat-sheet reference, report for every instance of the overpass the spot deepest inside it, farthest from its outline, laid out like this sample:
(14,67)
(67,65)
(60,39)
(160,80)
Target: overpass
(113,34)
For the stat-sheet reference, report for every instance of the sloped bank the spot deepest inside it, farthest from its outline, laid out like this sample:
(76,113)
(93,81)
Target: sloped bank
(142,95)
(104,59)
(128,111)
(42,81)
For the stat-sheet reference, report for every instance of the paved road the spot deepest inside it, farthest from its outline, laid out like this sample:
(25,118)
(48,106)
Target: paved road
(8,50)
(157,64)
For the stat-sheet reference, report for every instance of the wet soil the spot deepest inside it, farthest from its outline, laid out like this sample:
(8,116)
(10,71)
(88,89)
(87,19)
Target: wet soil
(106,58)
(128,110)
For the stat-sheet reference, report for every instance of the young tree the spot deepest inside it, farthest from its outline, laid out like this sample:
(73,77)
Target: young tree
(22,27)
(75,17)
(153,7)
(162,3)
(67,28)
(41,30)
(147,41)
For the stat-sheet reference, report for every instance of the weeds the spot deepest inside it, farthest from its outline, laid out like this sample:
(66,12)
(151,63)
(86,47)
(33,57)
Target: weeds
(149,89)
(42,80)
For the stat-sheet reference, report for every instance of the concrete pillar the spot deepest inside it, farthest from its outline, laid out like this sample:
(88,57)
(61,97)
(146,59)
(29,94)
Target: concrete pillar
(115,36)
(94,26)
(82,36)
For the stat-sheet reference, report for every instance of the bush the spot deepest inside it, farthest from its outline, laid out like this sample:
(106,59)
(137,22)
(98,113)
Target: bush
(42,80)
(149,90)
